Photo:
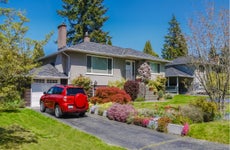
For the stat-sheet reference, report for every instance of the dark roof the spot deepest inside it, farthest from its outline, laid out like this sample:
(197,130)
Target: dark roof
(108,50)
(175,72)
(180,61)
(47,71)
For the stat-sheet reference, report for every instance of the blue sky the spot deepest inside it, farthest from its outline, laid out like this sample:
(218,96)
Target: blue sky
(131,22)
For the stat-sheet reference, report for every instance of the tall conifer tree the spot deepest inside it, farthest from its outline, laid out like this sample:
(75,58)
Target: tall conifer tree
(85,16)
(149,50)
(175,43)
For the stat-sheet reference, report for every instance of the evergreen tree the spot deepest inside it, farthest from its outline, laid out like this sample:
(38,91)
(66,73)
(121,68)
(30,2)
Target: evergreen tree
(175,43)
(148,49)
(85,16)
(110,42)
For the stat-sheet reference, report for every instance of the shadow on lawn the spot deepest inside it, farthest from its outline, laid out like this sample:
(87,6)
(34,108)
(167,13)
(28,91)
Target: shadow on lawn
(12,137)
(10,110)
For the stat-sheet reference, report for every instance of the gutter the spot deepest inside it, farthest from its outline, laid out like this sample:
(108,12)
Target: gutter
(68,68)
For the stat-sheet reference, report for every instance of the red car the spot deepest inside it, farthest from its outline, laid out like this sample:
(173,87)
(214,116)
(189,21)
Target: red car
(65,99)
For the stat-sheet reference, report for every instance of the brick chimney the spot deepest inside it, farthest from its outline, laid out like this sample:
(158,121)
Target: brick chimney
(86,37)
(62,36)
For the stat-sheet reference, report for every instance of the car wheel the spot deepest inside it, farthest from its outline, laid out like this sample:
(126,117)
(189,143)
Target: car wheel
(57,111)
(42,107)
(82,114)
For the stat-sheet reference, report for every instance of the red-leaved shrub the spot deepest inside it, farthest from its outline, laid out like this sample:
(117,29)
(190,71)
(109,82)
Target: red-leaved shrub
(110,94)
(132,88)
(120,112)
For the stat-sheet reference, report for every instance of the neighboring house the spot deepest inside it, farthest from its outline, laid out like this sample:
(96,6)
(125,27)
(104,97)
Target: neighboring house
(181,77)
(102,63)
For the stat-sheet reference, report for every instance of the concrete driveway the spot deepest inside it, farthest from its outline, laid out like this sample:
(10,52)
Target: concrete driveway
(135,137)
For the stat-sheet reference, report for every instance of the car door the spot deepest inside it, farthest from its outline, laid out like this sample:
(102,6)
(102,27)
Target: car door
(57,96)
(49,97)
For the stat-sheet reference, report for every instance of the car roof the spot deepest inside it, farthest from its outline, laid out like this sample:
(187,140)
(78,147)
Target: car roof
(67,86)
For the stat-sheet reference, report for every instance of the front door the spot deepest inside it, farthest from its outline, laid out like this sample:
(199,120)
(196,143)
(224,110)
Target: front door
(129,69)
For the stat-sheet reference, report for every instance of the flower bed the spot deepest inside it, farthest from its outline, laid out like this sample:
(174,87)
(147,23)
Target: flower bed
(146,118)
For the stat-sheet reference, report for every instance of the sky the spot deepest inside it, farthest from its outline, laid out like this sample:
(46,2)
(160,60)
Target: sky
(131,22)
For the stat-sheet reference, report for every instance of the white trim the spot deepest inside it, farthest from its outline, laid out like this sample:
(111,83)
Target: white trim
(94,73)
(100,74)
(49,77)
(132,64)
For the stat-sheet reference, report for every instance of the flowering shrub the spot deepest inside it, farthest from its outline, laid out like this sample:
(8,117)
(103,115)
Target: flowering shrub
(146,112)
(110,94)
(144,71)
(120,112)
(137,120)
(153,123)
(163,123)
(185,129)
(132,88)
(145,122)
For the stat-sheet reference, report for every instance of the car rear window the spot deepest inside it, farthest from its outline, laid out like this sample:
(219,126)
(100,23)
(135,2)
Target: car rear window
(74,91)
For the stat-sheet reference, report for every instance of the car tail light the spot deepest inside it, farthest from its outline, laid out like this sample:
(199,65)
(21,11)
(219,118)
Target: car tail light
(65,98)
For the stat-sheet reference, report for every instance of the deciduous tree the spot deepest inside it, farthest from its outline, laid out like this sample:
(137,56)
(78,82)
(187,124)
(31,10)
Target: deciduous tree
(209,44)
(15,56)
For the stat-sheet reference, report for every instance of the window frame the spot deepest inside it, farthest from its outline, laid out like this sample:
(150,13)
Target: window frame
(158,65)
(89,65)
(38,80)
(52,81)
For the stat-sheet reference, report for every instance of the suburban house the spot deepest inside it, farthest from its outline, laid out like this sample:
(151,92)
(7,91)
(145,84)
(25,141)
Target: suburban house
(181,77)
(102,63)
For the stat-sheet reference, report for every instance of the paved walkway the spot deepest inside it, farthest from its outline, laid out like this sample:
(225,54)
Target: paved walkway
(135,137)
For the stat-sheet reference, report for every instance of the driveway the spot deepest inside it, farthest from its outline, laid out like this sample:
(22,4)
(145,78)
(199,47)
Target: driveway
(135,137)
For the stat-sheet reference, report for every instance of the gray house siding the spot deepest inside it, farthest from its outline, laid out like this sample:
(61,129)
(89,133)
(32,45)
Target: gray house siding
(50,60)
(79,67)
(61,63)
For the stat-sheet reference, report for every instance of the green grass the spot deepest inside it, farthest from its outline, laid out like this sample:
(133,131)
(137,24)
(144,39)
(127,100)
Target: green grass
(175,101)
(228,108)
(26,129)
(217,131)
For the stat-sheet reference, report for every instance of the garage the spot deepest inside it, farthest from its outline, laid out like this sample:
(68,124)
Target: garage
(43,78)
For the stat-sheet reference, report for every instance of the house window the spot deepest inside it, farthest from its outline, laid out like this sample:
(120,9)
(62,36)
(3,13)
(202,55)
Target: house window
(52,81)
(99,65)
(39,81)
(155,68)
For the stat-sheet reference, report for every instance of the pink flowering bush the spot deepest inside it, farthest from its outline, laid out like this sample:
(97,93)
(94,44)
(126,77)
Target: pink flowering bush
(120,112)
(185,129)
(145,122)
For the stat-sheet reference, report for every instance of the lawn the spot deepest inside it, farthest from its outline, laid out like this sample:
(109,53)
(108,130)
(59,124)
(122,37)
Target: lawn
(175,101)
(217,131)
(26,129)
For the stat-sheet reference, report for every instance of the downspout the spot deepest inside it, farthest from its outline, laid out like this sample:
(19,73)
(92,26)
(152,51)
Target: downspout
(68,68)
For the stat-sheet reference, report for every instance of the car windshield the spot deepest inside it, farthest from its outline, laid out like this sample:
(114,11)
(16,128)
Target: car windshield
(74,91)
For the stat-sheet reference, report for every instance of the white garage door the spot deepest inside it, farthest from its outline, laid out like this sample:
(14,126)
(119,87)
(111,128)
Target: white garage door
(37,91)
